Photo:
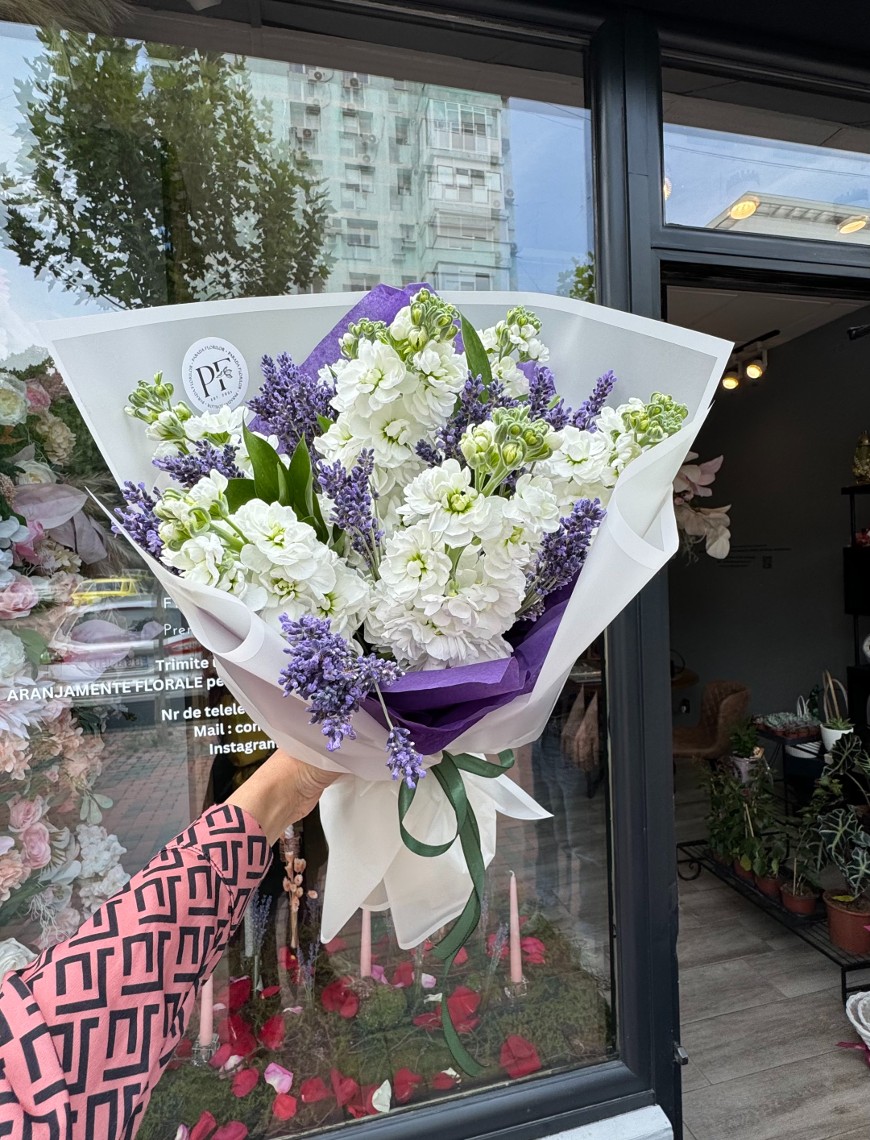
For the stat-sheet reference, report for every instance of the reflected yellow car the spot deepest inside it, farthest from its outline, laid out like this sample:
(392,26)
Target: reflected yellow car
(100,589)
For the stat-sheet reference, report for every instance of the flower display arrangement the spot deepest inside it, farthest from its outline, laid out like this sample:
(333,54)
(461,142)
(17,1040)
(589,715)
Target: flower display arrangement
(710,525)
(394,547)
(318,1044)
(57,863)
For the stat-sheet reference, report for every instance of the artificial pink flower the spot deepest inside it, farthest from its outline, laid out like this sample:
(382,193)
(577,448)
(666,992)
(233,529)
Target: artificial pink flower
(278,1077)
(284,1106)
(23,813)
(14,871)
(37,397)
(17,599)
(244,1081)
(339,998)
(518,1057)
(36,842)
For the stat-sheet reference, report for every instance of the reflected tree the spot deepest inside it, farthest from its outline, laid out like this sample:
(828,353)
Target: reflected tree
(579,280)
(148,174)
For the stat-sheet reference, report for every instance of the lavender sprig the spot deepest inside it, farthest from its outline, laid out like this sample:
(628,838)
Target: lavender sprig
(289,403)
(353,502)
(325,671)
(189,469)
(589,411)
(543,401)
(562,555)
(259,908)
(138,517)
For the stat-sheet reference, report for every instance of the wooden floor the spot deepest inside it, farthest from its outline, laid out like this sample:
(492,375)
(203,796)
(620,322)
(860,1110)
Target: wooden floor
(761,1016)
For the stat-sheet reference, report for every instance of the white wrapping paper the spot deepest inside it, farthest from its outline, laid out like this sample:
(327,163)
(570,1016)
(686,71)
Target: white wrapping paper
(103,357)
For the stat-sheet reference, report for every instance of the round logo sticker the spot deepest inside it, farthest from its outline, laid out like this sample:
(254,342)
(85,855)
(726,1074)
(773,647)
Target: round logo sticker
(214,374)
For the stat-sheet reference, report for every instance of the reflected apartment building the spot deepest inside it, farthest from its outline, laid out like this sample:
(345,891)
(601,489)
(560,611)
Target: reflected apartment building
(418,175)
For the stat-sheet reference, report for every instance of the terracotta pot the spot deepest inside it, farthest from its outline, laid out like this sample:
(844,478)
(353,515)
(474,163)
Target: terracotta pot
(846,927)
(768,885)
(798,904)
(739,871)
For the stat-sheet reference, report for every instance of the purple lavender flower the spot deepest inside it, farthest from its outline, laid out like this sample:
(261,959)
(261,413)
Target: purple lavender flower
(189,469)
(325,671)
(542,394)
(138,517)
(589,411)
(562,554)
(405,761)
(259,908)
(352,499)
(289,403)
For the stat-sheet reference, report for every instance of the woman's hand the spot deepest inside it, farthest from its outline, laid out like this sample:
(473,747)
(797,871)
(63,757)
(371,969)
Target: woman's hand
(281,792)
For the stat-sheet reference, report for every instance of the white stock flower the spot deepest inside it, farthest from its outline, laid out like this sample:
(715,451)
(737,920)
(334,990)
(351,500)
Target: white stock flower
(225,421)
(208,490)
(340,443)
(346,602)
(402,324)
(12,655)
(13,400)
(451,507)
(374,379)
(439,374)
(275,537)
(533,507)
(414,563)
(391,432)
(13,956)
(203,558)
(510,374)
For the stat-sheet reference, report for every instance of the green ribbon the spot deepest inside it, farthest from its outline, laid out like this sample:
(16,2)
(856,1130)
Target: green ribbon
(448,773)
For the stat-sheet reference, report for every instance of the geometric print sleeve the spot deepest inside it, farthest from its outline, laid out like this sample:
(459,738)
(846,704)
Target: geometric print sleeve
(87,1029)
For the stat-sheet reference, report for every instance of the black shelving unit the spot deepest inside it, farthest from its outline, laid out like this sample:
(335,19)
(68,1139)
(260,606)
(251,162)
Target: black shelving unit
(812,929)
(856,597)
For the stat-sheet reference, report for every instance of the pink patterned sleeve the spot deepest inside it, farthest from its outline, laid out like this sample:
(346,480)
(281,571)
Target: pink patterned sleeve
(87,1029)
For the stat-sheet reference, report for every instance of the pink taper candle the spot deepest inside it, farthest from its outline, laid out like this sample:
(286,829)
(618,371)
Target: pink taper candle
(516,949)
(206,1013)
(365,945)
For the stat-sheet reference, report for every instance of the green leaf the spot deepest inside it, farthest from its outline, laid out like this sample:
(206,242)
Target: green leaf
(302,498)
(324,423)
(475,353)
(240,491)
(265,462)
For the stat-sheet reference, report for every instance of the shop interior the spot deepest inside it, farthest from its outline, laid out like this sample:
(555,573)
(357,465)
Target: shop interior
(754,637)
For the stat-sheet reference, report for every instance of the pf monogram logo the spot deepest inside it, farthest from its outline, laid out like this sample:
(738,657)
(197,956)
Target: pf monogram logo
(214,374)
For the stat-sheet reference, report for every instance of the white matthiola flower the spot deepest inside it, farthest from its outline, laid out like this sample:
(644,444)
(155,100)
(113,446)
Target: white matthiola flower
(374,379)
(489,337)
(277,538)
(392,432)
(13,400)
(582,457)
(511,375)
(208,490)
(340,443)
(453,510)
(346,602)
(225,421)
(533,507)
(537,350)
(203,559)
(414,563)
(441,373)
(402,324)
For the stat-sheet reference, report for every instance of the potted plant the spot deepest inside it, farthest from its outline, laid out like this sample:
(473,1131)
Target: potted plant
(770,855)
(757,820)
(848,847)
(725,818)
(836,723)
(745,750)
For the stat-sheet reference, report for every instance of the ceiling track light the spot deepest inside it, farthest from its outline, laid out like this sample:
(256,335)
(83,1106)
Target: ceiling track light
(744,207)
(853,224)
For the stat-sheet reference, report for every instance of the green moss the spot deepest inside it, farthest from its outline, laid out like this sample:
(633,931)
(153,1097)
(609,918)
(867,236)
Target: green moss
(382,1008)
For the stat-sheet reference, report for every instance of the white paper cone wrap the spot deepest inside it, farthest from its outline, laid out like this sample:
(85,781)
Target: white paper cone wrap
(103,357)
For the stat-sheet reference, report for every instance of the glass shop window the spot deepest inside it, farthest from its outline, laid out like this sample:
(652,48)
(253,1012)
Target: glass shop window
(759,158)
(113,722)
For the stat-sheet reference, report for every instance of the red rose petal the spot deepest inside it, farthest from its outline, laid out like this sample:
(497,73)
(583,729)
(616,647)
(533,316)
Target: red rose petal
(184,1048)
(534,951)
(462,1006)
(518,1057)
(220,1056)
(405,1083)
(461,958)
(239,993)
(272,1032)
(339,998)
(203,1127)
(244,1081)
(442,1082)
(363,1106)
(429,1020)
(345,1088)
(313,1090)
(235,1130)
(287,959)
(284,1106)
(335,946)
(403,975)
(270,991)
(235,1032)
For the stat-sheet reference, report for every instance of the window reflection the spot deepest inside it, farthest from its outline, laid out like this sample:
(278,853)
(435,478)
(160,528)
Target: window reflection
(754,158)
(115,729)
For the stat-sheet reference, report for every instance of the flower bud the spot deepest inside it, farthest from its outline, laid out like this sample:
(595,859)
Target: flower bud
(512,454)
(417,314)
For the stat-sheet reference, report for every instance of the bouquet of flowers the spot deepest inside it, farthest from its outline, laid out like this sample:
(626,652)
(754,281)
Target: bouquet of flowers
(397,547)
